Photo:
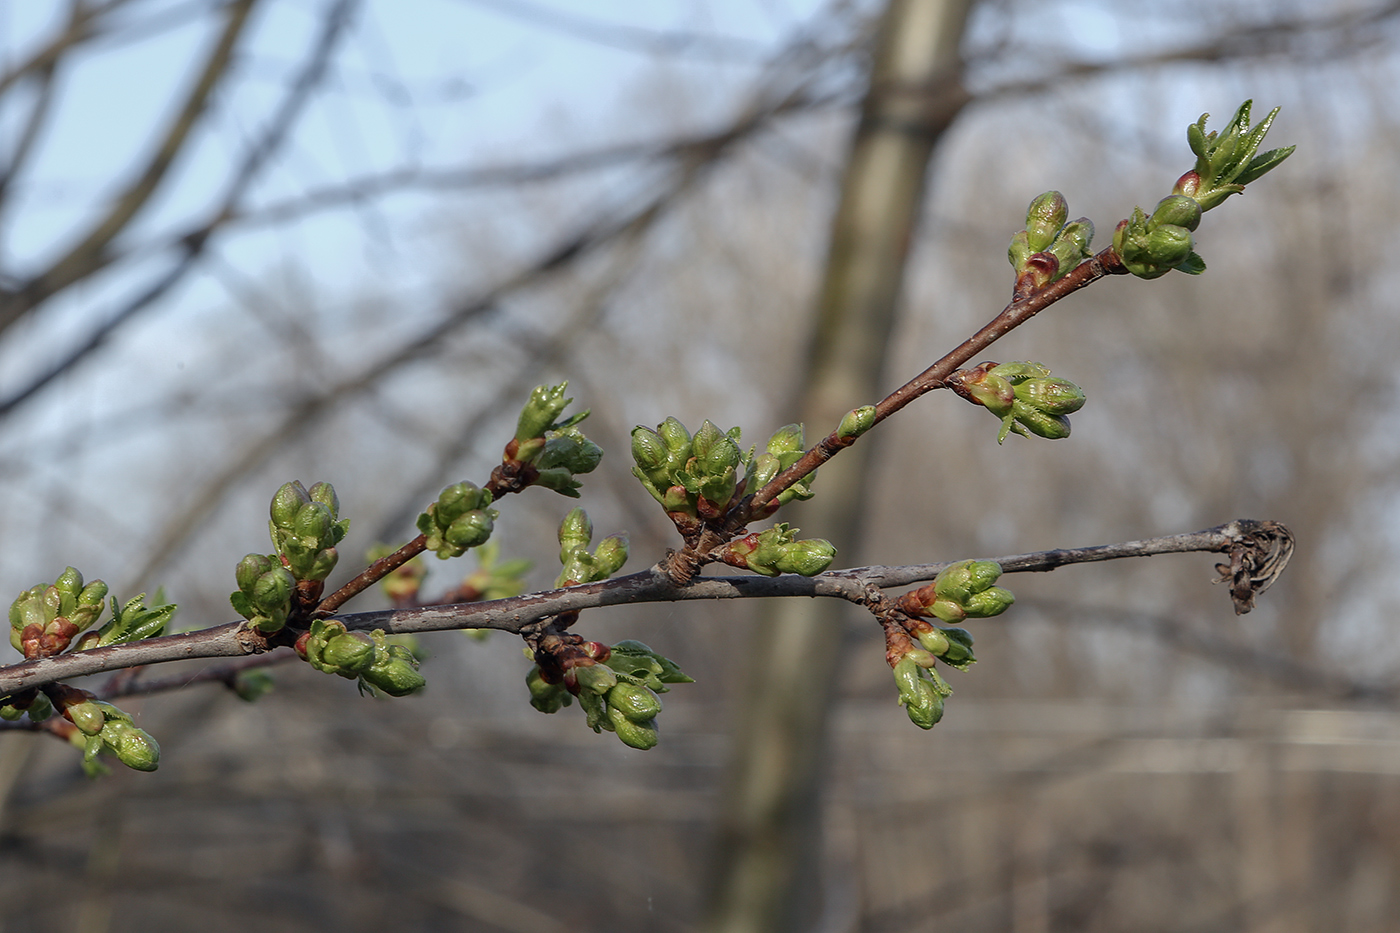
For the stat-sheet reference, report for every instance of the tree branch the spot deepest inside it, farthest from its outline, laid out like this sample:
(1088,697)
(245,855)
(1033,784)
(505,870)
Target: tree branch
(518,613)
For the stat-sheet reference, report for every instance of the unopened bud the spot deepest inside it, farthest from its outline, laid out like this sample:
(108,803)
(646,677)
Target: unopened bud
(636,703)
(1046,215)
(639,735)
(856,422)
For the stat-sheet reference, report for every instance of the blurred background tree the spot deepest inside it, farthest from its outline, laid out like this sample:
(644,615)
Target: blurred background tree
(242,242)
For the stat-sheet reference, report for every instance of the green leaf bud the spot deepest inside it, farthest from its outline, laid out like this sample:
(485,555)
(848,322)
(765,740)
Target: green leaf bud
(273,590)
(541,411)
(570,450)
(596,678)
(787,442)
(990,602)
(922,701)
(1041,424)
(934,641)
(324,493)
(638,735)
(856,422)
(651,454)
(287,502)
(1046,215)
(958,654)
(1178,210)
(1052,395)
(87,715)
(610,555)
(544,696)
(677,439)
(947,610)
(347,654)
(806,558)
(960,580)
(1071,247)
(133,747)
(395,672)
(70,582)
(575,532)
(313,525)
(635,702)
(322,565)
(470,530)
(249,569)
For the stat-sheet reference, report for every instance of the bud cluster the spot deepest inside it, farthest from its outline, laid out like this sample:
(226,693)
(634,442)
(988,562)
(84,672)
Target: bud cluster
(617,687)
(698,476)
(964,590)
(1024,395)
(45,618)
(305,528)
(1153,246)
(557,450)
(1050,246)
(579,564)
(458,520)
(367,657)
(775,550)
(103,727)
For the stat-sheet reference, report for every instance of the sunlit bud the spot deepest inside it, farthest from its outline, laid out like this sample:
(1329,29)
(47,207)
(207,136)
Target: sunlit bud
(787,443)
(598,678)
(348,654)
(639,735)
(249,569)
(273,589)
(807,558)
(457,500)
(651,453)
(287,503)
(1071,247)
(1041,424)
(394,671)
(960,580)
(958,654)
(610,555)
(70,582)
(933,640)
(1046,215)
(575,532)
(921,656)
(544,696)
(990,602)
(677,440)
(86,715)
(1168,245)
(470,530)
(1019,250)
(947,610)
(541,411)
(1052,395)
(920,699)
(322,565)
(133,747)
(856,422)
(636,703)
(1178,210)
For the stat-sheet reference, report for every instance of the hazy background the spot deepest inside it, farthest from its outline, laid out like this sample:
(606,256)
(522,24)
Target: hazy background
(389,220)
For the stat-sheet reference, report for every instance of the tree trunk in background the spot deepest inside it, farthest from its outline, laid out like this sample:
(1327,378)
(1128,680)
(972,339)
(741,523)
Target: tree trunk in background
(766,871)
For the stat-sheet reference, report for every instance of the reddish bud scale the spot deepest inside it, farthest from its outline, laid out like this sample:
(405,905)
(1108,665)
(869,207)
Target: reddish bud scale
(597,650)
(300,645)
(512,448)
(897,645)
(917,602)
